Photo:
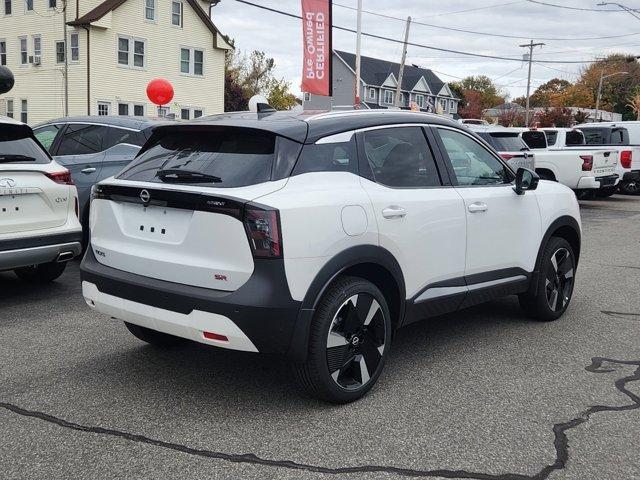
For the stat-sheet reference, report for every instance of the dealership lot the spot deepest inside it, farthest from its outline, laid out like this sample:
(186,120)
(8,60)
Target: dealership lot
(470,395)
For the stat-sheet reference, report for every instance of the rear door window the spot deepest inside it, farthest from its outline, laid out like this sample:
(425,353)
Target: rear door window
(120,135)
(575,137)
(535,139)
(218,157)
(83,139)
(17,147)
(401,157)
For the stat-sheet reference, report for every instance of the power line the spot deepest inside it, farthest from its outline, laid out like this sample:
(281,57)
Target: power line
(413,44)
(473,32)
(476,8)
(582,9)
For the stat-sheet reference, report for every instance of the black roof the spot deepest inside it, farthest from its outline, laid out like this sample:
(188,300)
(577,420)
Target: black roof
(137,123)
(307,127)
(375,71)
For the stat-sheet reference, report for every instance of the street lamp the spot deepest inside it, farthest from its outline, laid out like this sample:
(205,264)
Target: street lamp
(602,77)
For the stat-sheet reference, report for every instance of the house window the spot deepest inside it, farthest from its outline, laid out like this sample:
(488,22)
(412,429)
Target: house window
(307,96)
(191,61)
(163,111)
(176,14)
(443,104)
(60,52)
(7,7)
(401,98)
(372,93)
(197,113)
(150,10)
(389,96)
(123,109)
(24,110)
(184,113)
(103,108)
(29,5)
(452,106)
(24,56)
(3,52)
(37,45)
(420,101)
(52,3)
(9,108)
(75,48)
(138,110)
(128,58)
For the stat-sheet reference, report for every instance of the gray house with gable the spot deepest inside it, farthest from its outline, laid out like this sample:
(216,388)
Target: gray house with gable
(420,86)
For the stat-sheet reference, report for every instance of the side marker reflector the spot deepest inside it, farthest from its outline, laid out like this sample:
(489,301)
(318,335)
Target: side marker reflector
(215,336)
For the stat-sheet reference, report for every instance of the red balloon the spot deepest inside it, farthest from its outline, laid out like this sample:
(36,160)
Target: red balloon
(160,91)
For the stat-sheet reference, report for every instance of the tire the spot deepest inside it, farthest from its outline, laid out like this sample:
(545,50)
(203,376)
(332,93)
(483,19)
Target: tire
(587,194)
(555,282)
(350,339)
(630,188)
(40,274)
(153,337)
(606,192)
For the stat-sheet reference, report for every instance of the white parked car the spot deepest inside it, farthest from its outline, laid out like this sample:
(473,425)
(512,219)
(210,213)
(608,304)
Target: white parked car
(508,144)
(316,237)
(39,228)
(585,169)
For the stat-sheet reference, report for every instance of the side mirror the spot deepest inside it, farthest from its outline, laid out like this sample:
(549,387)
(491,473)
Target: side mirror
(525,180)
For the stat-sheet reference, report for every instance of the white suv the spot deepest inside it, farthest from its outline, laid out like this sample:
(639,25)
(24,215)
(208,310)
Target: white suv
(39,227)
(317,237)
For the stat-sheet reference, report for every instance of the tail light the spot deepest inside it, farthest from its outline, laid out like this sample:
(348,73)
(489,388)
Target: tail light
(63,177)
(506,156)
(263,230)
(625,158)
(587,162)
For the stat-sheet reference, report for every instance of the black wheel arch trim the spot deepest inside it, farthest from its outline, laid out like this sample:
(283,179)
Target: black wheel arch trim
(332,269)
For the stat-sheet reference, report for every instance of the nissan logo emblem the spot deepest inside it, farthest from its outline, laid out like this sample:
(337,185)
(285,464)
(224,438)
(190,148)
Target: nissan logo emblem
(7,182)
(145,196)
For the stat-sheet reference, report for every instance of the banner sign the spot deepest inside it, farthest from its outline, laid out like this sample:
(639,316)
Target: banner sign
(316,34)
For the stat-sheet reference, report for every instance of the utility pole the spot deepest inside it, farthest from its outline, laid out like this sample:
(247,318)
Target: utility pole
(599,96)
(358,45)
(404,59)
(530,46)
(66,62)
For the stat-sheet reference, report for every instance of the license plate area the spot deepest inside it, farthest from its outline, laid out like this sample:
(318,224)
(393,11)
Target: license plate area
(157,224)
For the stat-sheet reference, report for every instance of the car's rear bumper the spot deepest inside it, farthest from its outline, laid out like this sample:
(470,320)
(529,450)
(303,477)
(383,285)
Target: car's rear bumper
(35,250)
(260,316)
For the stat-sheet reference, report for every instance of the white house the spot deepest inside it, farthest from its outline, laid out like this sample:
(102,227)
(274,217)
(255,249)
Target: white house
(113,49)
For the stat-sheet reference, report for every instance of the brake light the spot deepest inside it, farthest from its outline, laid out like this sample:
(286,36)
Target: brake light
(506,156)
(587,162)
(263,230)
(625,158)
(63,177)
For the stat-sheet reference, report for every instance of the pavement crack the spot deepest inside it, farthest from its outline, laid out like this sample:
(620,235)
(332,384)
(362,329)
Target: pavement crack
(621,314)
(561,442)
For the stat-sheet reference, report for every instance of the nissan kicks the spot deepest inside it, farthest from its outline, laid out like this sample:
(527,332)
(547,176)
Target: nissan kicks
(318,236)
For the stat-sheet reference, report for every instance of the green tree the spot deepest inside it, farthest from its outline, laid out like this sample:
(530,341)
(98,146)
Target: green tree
(280,97)
(551,93)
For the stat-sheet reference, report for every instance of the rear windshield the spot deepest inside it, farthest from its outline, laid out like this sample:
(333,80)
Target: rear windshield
(606,136)
(535,139)
(552,136)
(575,137)
(504,142)
(218,157)
(16,147)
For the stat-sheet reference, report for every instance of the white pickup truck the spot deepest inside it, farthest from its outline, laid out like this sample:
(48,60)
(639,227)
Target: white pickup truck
(623,137)
(566,159)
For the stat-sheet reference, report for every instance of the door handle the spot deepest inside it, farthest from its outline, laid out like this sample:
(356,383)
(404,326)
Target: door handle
(394,212)
(478,207)
(88,170)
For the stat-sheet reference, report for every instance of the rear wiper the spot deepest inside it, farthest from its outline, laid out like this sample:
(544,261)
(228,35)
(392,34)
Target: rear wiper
(178,174)
(6,158)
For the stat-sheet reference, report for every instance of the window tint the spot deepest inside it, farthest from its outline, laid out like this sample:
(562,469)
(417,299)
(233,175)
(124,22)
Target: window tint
(575,137)
(119,135)
(237,156)
(535,139)
(504,142)
(329,157)
(552,136)
(472,163)
(401,157)
(13,141)
(82,139)
(596,136)
(46,135)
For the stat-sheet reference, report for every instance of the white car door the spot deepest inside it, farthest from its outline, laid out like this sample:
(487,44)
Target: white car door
(504,229)
(420,218)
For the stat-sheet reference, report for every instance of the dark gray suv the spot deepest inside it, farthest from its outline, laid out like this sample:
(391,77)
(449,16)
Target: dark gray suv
(94,148)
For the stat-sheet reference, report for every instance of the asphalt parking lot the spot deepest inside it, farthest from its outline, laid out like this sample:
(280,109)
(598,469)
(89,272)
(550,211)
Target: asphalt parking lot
(482,394)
